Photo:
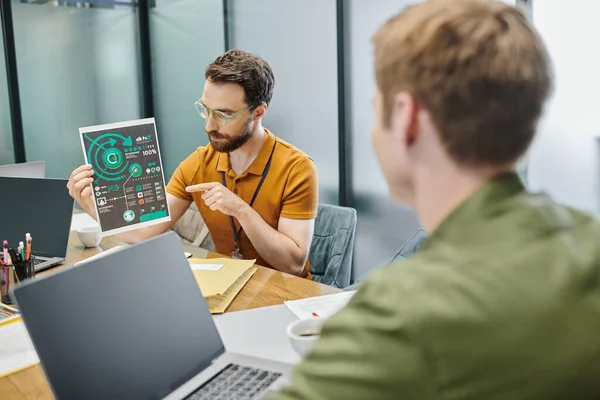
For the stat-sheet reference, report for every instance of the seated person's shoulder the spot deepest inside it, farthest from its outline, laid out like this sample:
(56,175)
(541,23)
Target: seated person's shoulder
(541,210)
(190,170)
(573,217)
(199,158)
(298,172)
(552,224)
(292,156)
(202,154)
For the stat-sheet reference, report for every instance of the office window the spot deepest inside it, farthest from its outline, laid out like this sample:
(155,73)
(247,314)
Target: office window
(298,39)
(78,66)
(382,226)
(186,36)
(7,155)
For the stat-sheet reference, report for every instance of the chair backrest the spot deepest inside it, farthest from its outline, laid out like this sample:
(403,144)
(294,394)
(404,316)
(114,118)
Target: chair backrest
(192,229)
(411,246)
(333,245)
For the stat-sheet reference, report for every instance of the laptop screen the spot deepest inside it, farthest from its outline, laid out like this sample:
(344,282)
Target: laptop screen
(130,325)
(34,169)
(41,207)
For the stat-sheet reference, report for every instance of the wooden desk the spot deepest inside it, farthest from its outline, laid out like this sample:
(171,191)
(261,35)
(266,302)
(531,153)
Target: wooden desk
(266,288)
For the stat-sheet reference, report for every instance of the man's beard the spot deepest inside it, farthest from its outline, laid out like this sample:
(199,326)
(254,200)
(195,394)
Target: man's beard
(231,143)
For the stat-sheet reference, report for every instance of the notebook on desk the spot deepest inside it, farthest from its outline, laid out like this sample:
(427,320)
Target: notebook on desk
(221,279)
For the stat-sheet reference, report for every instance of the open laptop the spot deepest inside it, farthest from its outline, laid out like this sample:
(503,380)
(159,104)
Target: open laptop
(41,207)
(134,325)
(34,169)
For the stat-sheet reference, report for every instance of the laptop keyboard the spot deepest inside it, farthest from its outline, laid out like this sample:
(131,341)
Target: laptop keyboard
(236,382)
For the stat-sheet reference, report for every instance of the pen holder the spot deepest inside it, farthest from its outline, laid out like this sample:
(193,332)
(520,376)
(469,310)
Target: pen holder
(12,274)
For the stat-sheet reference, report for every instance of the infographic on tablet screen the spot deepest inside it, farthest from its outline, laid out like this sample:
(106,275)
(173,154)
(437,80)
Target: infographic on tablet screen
(129,185)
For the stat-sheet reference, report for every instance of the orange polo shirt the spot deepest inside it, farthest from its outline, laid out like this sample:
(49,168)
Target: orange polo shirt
(290,190)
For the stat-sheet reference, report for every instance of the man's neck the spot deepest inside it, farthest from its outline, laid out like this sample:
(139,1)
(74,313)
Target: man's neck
(240,159)
(438,194)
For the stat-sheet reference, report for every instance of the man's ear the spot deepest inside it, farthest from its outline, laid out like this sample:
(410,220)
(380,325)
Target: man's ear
(404,119)
(259,112)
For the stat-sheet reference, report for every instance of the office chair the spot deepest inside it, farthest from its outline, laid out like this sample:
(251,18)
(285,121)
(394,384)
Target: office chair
(192,229)
(332,245)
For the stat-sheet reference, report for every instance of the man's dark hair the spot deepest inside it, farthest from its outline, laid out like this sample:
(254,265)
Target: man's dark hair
(250,72)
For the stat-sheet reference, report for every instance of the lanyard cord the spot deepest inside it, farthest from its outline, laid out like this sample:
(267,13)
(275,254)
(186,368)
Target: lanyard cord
(236,233)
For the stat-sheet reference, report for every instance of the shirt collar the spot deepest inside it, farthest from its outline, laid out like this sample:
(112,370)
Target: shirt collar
(223,162)
(260,162)
(482,205)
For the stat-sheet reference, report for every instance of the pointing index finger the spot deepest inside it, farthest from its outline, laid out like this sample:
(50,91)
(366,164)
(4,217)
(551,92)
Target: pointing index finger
(201,187)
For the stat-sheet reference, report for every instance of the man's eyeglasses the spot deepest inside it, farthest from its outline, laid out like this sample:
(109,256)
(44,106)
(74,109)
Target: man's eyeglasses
(219,116)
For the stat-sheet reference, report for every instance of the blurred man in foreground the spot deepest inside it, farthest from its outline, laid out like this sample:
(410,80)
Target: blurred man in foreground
(503,300)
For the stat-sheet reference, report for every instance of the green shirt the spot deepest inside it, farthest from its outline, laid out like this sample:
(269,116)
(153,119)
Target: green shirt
(502,302)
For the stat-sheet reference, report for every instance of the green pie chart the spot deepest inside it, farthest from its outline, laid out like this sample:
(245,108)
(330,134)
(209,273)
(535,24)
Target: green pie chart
(107,156)
(112,158)
(135,170)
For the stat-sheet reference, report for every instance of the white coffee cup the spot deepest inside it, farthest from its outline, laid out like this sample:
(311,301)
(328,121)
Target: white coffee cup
(90,236)
(304,333)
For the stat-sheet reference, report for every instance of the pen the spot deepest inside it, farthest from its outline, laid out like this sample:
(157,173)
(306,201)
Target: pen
(28,251)
(3,275)
(30,246)
(16,275)
(13,255)
(22,257)
(22,251)
(2,282)
(6,261)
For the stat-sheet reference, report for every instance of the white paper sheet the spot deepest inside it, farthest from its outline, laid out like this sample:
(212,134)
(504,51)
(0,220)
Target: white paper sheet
(99,255)
(321,306)
(206,267)
(129,185)
(16,349)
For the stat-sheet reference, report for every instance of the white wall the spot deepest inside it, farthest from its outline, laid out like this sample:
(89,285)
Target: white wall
(564,158)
